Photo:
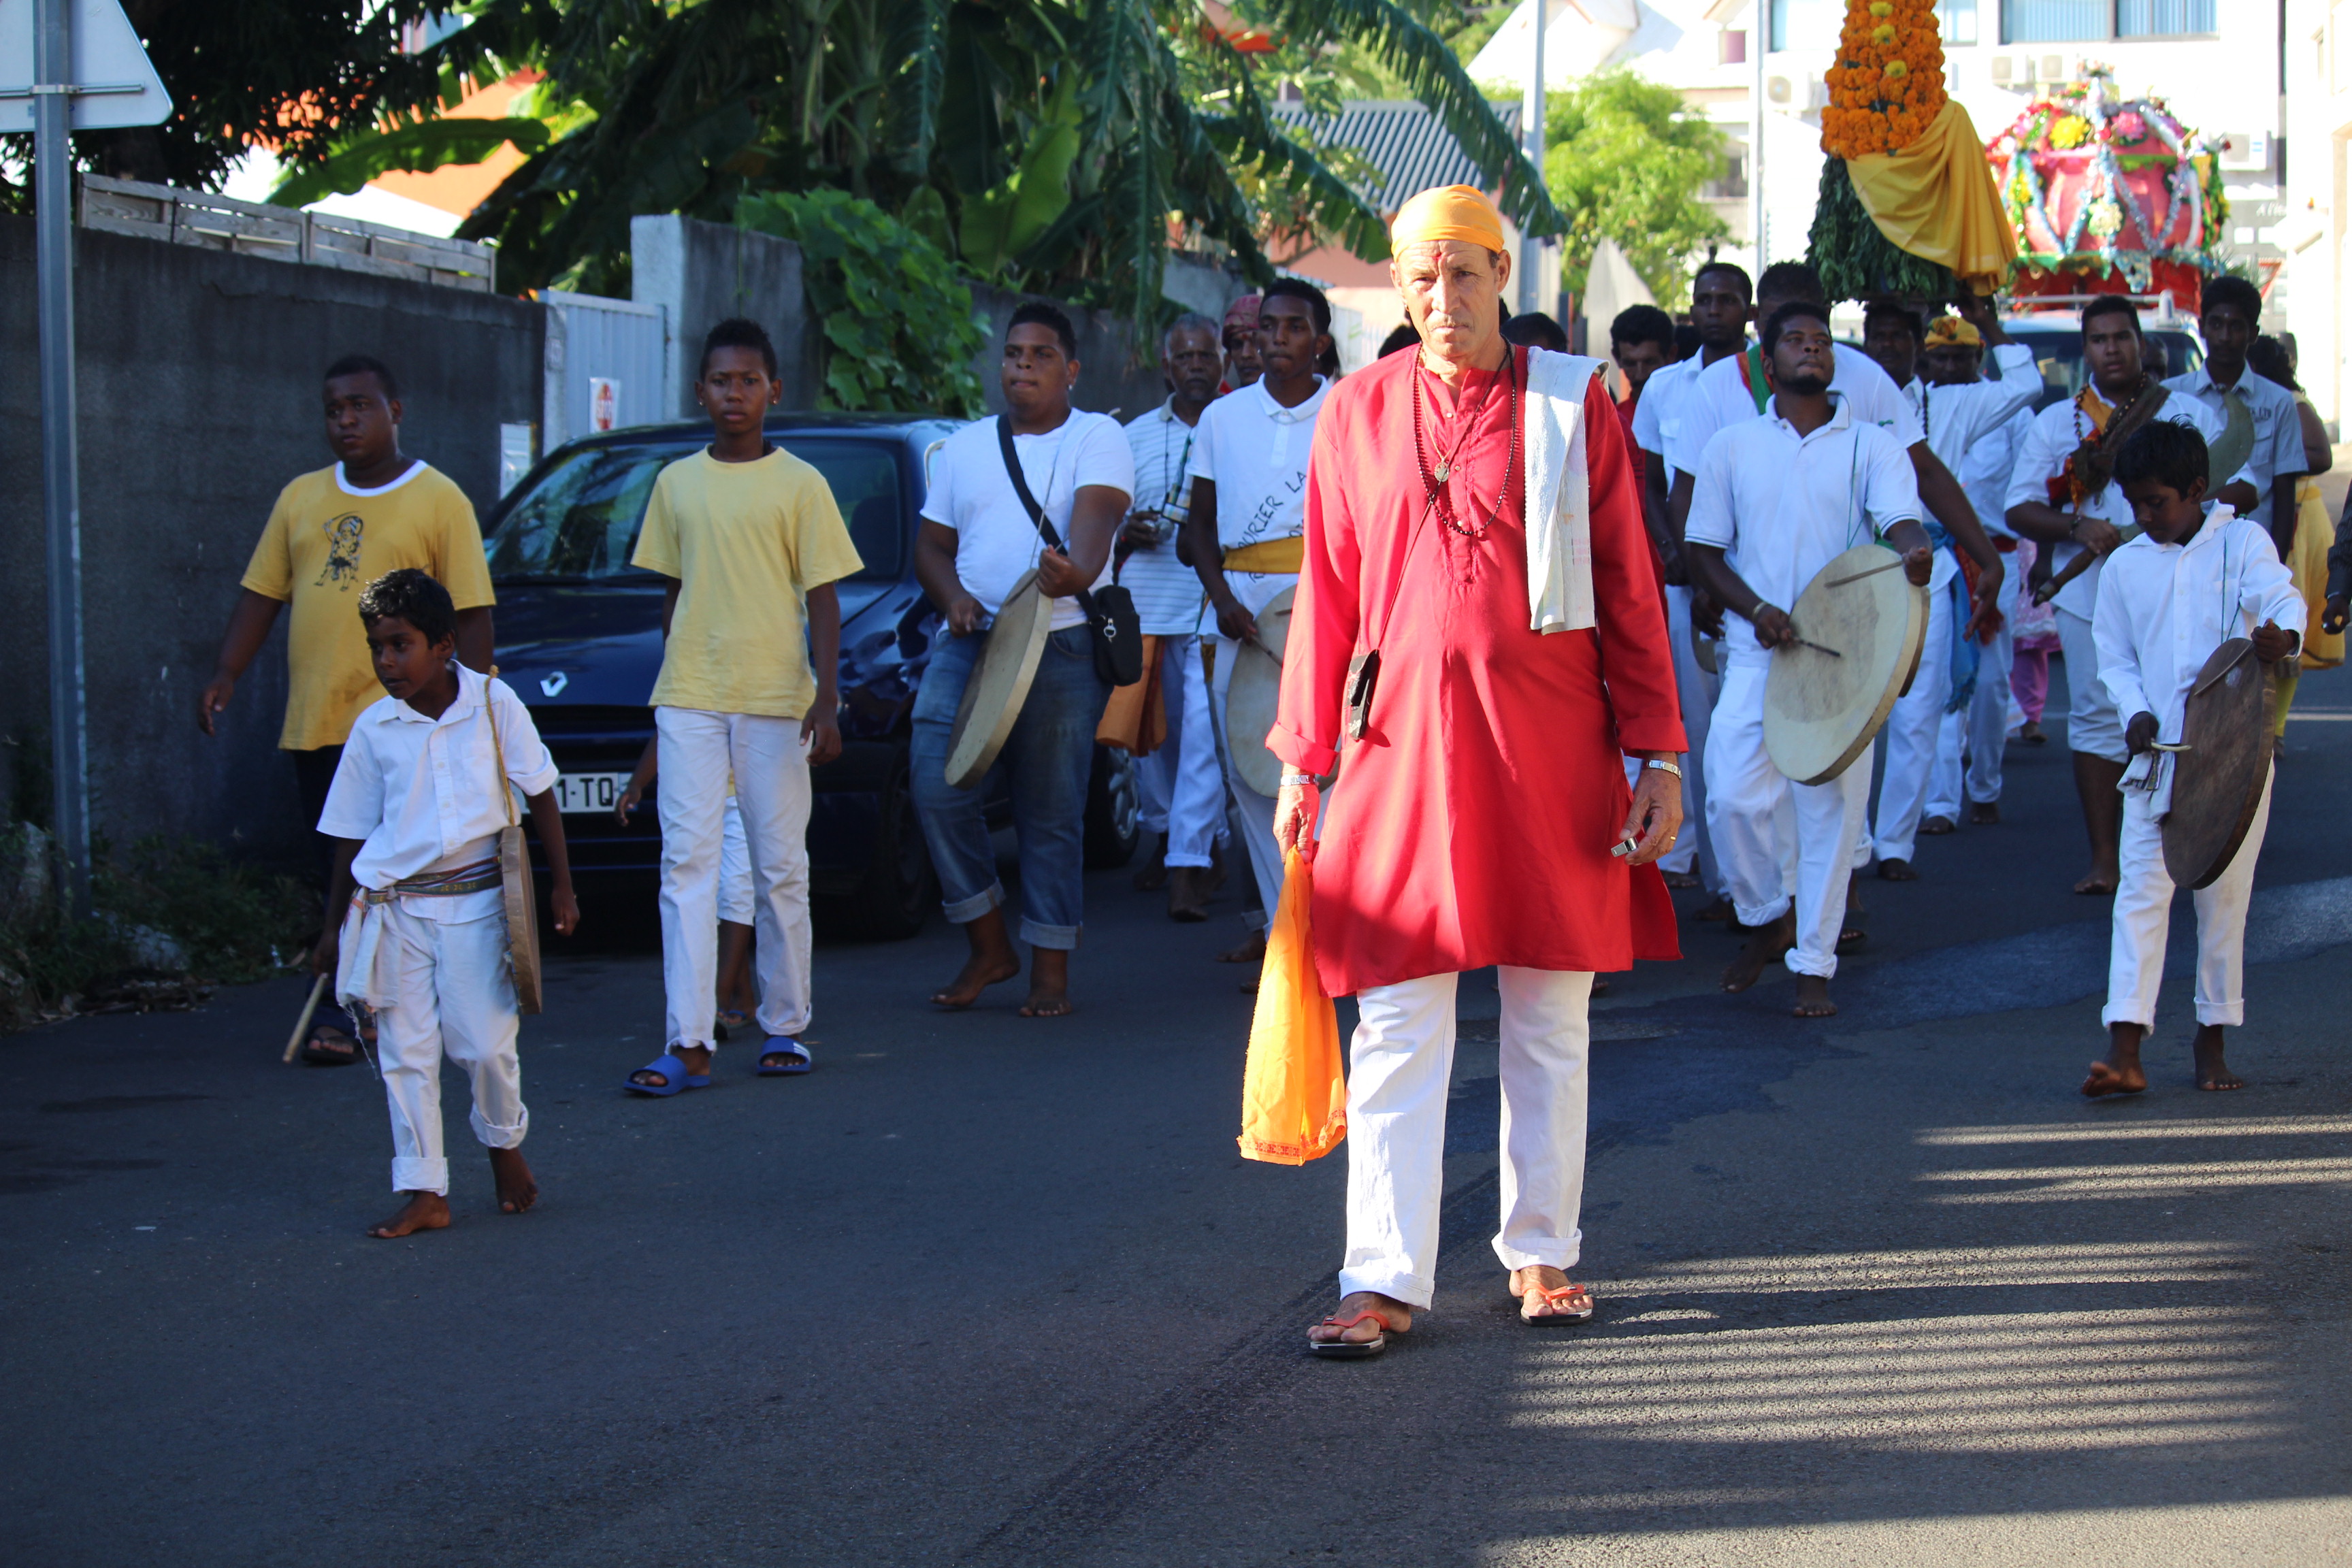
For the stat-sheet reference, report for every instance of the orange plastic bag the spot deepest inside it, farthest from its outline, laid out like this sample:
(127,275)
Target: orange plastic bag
(1295,1088)
(1135,719)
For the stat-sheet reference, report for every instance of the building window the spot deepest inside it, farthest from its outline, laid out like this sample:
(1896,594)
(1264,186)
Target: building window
(2053,21)
(1804,24)
(1733,49)
(1957,20)
(1732,186)
(2163,19)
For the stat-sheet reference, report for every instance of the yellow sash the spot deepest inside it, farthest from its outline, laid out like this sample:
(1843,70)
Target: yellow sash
(1269,556)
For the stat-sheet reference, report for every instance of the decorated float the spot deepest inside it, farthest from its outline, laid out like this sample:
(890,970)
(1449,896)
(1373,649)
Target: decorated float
(2110,196)
(1907,204)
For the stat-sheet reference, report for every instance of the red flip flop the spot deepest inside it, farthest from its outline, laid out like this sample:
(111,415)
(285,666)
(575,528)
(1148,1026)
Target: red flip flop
(1554,1300)
(1344,1350)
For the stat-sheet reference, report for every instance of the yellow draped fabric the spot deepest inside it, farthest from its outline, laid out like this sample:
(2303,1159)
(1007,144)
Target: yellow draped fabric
(1937,200)
(1294,1088)
(1269,556)
(2314,533)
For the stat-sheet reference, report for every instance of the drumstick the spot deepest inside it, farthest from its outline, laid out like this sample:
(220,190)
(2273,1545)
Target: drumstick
(1865,572)
(303,1025)
(2077,566)
(1817,647)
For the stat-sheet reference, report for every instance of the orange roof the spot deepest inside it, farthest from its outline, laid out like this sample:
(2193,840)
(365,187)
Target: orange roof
(459,188)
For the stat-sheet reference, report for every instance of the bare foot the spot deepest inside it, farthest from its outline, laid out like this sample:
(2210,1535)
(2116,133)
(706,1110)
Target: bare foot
(2120,1072)
(1250,952)
(2212,1072)
(1721,910)
(518,1190)
(1547,1295)
(1984,813)
(1049,984)
(993,961)
(1897,871)
(1813,997)
(2100,881)
(1936,826)
(1767,944)
(2031,733)
(695,1058)
(423,1211)
(1399,1316)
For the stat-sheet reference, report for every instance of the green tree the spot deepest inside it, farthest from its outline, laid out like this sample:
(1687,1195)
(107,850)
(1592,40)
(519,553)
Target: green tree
(1625,159)
(298,74)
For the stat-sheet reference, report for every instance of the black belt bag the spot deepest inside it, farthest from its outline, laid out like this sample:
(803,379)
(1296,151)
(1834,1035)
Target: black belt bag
(1110,612)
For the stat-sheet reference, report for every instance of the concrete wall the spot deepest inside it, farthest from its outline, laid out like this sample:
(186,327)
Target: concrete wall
(198,393)
(1110,379)
(702,273)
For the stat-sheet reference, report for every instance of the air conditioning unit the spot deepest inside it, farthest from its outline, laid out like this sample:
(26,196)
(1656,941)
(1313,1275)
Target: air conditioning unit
(2000,67)
(1796,94)
(2246,150)
(2054,69)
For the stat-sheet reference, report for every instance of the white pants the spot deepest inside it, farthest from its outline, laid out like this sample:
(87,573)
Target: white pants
(452,995)
(1916,727)
(1752,807)
(1401,1067)
(734,868)
(1184,788)
(1977,735)
(2092,723)
(1698,691)
(769,762)
(1253,811)
(2144,912)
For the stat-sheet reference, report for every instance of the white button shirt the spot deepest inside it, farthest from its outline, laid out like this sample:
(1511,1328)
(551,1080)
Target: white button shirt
(424,793)
(2164,608)
(2278,428)
(1955,418)
(1781,506)
(2056,431)
(1657,418)
(1167,592)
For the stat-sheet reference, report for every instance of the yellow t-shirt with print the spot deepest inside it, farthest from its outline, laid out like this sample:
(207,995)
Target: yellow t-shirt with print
(325,542)
(746,542)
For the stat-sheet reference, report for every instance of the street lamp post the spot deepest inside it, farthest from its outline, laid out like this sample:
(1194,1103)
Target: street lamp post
(1531,135)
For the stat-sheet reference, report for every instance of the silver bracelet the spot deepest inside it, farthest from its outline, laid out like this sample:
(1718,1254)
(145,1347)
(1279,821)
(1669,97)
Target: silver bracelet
(1298,781)
(1663,765)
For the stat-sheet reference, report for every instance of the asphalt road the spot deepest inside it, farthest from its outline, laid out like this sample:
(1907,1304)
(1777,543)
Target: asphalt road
(995,1291)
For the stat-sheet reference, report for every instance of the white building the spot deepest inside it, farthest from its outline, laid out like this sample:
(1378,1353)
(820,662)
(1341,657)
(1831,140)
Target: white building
(2318,50)
(2221,67)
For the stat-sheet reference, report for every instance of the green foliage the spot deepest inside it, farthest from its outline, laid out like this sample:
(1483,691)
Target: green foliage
(419,146)
(900,329)
(1855,260)
(1626,159)
(295,72)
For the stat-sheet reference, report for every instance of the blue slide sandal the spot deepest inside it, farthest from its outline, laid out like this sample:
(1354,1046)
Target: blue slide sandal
(676,1078)
(784,1045)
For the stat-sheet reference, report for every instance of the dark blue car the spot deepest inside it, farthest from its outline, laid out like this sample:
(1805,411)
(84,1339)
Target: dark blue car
(580,641)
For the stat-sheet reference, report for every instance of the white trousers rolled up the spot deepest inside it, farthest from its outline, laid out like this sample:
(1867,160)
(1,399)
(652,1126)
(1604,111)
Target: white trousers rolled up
(2144,914)
(1753,809)
(769,762)
(1915,729)
(1253,811)
(1696,689)
(1974,737)
(1181,783)
(452,995)
(1401,1067)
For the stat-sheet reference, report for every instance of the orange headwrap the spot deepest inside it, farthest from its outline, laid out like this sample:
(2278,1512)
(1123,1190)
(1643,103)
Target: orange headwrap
(1950,331)
(1449,212)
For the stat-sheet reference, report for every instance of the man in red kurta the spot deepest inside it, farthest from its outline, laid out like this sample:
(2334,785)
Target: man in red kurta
(1521,658)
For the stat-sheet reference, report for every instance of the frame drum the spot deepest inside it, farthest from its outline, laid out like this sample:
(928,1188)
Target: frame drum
(1252,695)
(1822,710)
(2225,760)
(999,683)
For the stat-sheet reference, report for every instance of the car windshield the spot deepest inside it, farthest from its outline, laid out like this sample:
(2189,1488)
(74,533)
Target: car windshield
(578,520)
(2058,351)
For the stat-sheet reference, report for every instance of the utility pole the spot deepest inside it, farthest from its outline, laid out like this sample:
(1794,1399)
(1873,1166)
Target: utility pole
(1759,41)
(53,86)
(1531,136)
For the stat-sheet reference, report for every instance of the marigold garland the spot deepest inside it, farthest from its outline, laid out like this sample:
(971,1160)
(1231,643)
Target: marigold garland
(1888,82)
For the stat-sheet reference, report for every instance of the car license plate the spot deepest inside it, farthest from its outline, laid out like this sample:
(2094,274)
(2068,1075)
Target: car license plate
(590,792)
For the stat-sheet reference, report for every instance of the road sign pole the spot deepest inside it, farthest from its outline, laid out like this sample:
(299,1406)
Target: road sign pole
(60,471)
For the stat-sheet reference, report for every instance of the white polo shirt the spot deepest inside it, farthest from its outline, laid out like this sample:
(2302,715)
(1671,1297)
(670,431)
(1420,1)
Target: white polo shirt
(2278,428)
(1780,505)
(1255,452)
(2056,431)
(1167,592)
(425,795)
(1719,398)
(2164,608)
(1657,418)
(996,542)
(1984,473)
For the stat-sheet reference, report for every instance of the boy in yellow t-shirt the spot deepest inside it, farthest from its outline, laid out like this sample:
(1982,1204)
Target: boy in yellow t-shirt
(748,535)
(331,532)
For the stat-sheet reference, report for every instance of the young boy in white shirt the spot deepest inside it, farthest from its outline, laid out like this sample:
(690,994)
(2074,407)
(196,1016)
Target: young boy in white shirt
(2198,575)
(416,921)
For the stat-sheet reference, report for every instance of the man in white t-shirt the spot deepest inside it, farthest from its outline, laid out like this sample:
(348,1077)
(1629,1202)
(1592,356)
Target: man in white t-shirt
(1181,785)
(1720,295)
(2052,502)
(977,542)
(1248,521)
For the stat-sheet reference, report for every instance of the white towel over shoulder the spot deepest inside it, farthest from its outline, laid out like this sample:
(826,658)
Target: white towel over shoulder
(1558,492)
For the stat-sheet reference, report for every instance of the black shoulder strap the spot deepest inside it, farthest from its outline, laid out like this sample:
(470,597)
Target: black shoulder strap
(1021,482)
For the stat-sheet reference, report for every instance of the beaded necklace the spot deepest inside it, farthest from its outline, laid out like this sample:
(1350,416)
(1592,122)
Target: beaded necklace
(1434,481)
